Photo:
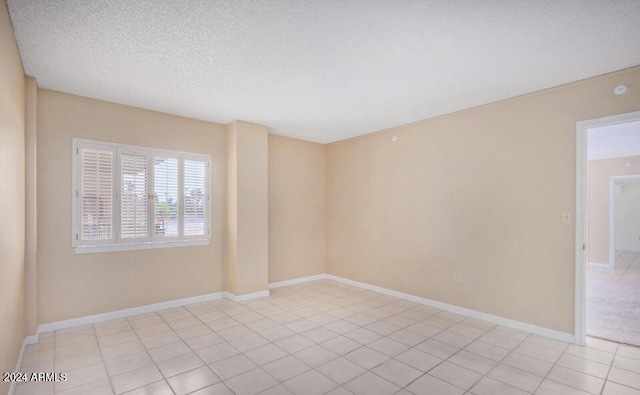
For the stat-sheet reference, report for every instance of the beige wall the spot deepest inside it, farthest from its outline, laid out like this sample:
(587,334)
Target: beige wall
(247,247)
(12,190)
(31,218)
(627,215)
(479,192)
(72,285)
(296,208)
(599,173)
(231,255)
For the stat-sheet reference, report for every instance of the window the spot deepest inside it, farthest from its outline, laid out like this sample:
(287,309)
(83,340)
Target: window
(128,197)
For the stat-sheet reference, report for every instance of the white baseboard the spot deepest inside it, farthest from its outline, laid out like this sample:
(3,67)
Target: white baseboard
(599,265)
(298,280)
(627,249)
(245,297)
(554,334)
(92,319)
(23,350)
(538,330)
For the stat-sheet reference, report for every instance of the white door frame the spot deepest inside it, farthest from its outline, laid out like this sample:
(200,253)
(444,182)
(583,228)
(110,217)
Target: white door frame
(612,216)
(580,322)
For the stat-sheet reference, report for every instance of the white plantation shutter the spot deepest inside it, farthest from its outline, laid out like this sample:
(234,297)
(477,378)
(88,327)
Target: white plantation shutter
(195,198)
(133,196)
(128,197)
(96,194)
(166,198)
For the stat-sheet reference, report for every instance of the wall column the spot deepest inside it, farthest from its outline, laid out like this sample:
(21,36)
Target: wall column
(247,208)
(31,229)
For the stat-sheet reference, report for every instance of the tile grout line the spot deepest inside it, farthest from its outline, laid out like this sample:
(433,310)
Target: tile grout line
(611,367)
(631,263)
(319,301)
(95,333)
(146,350)
(212,331)
(499,362)
(546,377)
(361,346)
(187,344)
(278,382)
(445,359)
(370,370)
(411,347)
(609,371)
(55,337)
(231,344)
(390,358)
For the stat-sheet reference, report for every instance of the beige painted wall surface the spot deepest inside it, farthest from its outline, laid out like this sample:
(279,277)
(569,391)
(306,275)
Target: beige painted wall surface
(479,192)
(31,219)
(12,190)
(231,253)
(296,208)
(72,285)
(252,208)
(599,173)
(627,206)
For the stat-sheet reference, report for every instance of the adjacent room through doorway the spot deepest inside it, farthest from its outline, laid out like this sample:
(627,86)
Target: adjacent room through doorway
(613,231)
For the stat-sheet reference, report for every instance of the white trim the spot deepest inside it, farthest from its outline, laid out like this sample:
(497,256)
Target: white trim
(598,265)
(91,319)
(150,241)
(562,336)
(298,280)
(580,280)
(612,217)
(31,339)
(580,315)
(12,386)
(207,185)
(612,222)
(245,297)
(140,246)
(538,330)
(627,250)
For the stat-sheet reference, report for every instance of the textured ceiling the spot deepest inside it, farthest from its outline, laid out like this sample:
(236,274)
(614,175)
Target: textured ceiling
(320,70)
(614,141)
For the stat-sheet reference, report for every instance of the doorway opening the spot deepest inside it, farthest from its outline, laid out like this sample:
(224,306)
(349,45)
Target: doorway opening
(624,221)
(608,229)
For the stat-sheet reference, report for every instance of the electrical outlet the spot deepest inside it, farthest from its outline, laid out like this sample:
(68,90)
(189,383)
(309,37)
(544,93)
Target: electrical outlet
(566,217)
(457,277)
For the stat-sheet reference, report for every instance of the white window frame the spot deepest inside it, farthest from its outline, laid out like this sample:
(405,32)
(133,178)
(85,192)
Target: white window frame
(151,241)
(179,236)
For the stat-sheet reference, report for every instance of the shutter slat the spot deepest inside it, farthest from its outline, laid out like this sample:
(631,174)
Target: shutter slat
(195,197)
(133,196)
(166,197)
(96,190)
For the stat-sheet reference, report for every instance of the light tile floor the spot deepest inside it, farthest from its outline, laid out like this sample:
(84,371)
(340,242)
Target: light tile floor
(613,300)
(627,265)
(322,337)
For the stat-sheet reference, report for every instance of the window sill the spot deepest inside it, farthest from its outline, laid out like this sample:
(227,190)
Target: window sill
(140,246)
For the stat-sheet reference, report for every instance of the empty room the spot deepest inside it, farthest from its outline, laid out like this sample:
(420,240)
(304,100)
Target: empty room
(319,197)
